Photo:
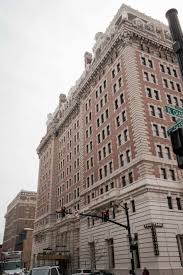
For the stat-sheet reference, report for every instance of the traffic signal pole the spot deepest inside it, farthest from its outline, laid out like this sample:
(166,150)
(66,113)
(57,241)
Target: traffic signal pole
(127,227)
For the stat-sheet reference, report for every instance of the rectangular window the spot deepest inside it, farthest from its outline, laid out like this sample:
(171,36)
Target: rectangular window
(178,87)
(98,137)
(133,206)
(108,130)
(172,85)
(110,167)
(152,110)
(114,88)
(156,94)
(105,170)
(153,78)
(168,70)
(113,73)
(130,176)
(160,113)
(155,129)
(120,82)
(159,151)
(100,173)
(125,135)
(169,199)
(165,82)
(119,140)
(124,181)
(116,104)
(163,173)
(169,100)
(148,91)
(164,131)
(109,148)
(162,68)
(123,116)
(179,206)
(174,72)
(146,77)
(121,98)
(143,60)
(167,153)
(105,84)
(172,174)
(121,160)
(118,67)
(117,121)
(128,155)
(150,63)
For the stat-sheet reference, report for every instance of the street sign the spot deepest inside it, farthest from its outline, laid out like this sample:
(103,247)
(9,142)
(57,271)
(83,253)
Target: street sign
(174,111)
(179,124)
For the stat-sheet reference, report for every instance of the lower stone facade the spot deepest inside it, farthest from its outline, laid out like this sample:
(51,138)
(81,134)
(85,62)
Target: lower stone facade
(157,230)
(58,245)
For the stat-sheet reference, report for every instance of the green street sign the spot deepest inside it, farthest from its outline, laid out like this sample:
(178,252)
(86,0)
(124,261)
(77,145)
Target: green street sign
(179,124)
(174,111)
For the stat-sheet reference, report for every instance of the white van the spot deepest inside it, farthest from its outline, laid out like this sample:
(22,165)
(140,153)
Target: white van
(45,270)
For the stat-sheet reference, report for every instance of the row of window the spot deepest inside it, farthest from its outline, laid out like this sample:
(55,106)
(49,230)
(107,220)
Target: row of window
(168,70)
(89,180)
(169,84)
(174,100)
(150,77)
(105,151)
(103,117)
(101,191)
(106,170)
(125,157)
(104,133)
(119,101)
(88,118)
(121,118)
(117,85)
(152,93)
(101,89)
(146,62)
(166,173)
(69,132)
(159,130)
(155,111)
(123,137)
(127,179)
(116,70)
(89,147)
(170,203)
(101,103)
(163,68)
(163,151)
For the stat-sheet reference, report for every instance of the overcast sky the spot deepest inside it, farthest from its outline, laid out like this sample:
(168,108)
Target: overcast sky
(42,43)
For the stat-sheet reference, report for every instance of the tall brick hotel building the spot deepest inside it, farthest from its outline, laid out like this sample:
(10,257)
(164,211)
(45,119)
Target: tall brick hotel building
(106,145)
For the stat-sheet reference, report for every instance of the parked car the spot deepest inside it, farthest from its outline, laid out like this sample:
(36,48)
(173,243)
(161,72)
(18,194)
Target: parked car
(102,272)
(45,270)
(82,272)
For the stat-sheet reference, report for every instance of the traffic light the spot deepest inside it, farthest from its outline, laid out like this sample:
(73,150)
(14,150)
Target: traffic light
(63,212)
(177,145)
(105,215)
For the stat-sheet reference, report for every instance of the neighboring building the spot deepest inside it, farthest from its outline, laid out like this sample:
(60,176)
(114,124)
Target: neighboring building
(107,144)
(20,216)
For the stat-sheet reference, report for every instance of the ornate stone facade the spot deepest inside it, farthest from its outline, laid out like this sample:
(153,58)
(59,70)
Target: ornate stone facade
(108,145)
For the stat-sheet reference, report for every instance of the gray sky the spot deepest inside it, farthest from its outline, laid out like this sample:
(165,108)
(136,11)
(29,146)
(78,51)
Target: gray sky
(42,43)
